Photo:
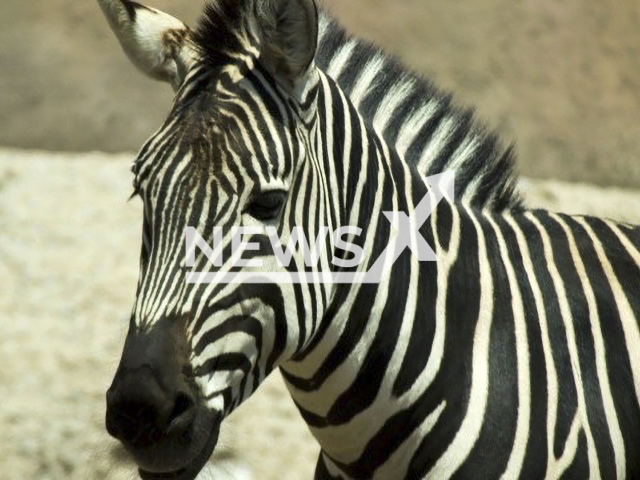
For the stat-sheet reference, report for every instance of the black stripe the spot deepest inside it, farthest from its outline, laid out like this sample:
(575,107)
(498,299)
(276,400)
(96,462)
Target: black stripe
(535,460)
(496,439)
(453,380)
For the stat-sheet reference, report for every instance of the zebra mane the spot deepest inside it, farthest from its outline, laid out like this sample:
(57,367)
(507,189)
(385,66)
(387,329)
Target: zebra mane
(430,133)
(222,31)
(375,81)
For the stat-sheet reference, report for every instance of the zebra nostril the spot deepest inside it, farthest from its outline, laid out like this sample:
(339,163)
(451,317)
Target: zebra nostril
(183,412)
(134,422)
(138,408)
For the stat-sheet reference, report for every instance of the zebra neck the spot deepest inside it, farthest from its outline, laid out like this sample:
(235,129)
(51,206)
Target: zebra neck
(379,353)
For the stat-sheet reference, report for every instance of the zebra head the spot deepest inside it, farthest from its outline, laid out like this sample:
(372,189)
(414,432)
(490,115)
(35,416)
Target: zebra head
(232,152)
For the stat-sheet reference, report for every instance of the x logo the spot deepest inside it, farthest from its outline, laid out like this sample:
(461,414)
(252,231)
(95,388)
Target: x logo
(408,227)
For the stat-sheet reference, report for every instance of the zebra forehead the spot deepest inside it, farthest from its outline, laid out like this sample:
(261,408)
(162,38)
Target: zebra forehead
(199,143)
(212,144)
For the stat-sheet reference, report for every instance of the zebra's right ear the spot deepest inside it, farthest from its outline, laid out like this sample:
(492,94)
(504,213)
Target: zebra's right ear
(289,30)
(157,43)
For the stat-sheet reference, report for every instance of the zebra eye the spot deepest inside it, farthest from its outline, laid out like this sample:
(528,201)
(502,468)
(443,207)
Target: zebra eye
(267,205)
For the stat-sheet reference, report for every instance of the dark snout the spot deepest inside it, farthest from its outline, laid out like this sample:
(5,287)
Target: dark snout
(155,409)
(142,407)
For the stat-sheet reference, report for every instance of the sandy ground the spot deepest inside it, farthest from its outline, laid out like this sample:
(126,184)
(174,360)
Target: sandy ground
(559,78)
(69,246)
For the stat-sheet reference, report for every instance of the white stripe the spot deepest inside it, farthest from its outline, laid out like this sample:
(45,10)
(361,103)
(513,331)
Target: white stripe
(460,157)
(446,261)
(469,430)
(366,78)
(570,449)
(389,103)
(339,60)
(437,142)
(541,314)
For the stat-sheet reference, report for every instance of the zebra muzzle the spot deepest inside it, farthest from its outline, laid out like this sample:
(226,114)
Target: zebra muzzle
(155,409)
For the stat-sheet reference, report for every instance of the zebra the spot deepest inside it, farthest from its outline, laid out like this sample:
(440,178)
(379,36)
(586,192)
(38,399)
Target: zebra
(516,354)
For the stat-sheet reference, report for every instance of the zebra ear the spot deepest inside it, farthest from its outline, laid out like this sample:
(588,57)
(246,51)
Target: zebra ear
(289,30)
(158,44)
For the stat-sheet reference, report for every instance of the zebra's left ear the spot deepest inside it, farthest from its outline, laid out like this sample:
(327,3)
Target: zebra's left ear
(289,31)
(157,43)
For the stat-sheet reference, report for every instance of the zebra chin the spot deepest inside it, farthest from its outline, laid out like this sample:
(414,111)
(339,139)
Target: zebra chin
(180,452)
(188,471)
